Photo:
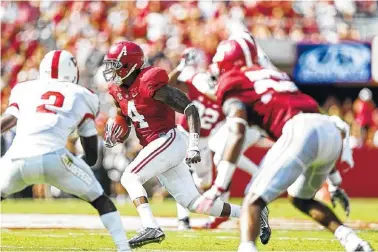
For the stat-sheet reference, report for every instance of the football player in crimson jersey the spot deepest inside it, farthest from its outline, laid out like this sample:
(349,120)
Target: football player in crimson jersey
(307,143)
(200,89)
(46,111)
(143,96)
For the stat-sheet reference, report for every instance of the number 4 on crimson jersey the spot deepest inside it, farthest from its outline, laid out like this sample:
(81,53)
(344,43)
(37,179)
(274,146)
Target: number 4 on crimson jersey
(150,117)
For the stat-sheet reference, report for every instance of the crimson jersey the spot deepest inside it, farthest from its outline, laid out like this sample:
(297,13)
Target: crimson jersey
(209,111)
(149,116)
(270,97)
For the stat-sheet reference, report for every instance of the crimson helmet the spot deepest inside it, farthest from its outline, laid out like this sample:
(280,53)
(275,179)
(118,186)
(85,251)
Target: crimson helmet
(122,59)
(234,53)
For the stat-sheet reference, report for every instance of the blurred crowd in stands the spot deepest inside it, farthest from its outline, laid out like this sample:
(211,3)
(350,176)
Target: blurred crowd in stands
(164,29)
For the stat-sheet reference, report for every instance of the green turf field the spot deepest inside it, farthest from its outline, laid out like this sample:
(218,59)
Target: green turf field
(86,240)
(364,210)
(361,209)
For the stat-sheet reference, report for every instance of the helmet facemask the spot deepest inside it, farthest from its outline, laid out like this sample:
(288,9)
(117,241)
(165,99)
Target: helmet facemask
(116,72)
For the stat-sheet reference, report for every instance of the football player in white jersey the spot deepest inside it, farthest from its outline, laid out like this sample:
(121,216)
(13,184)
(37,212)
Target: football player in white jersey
(46,111)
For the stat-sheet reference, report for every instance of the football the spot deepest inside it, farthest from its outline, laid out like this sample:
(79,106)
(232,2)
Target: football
(122,121)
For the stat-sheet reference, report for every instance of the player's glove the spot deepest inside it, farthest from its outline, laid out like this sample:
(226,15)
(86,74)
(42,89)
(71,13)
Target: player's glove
(113,133)
(206,201)
(338,194)
(193,156)
(189,57)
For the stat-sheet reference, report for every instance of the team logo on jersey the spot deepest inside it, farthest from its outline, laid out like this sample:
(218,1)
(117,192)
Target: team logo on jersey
(122,53)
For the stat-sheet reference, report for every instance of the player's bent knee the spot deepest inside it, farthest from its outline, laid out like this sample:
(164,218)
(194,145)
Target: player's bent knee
(104,205)
(253,199)
(133,184)
(128,179)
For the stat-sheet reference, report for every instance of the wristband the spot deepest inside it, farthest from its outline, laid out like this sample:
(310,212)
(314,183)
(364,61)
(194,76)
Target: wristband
(225,171)
(193,140)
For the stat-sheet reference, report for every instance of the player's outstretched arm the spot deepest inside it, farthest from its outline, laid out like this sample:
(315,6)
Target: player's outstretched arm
(178,101)
(7,122)
(235,110)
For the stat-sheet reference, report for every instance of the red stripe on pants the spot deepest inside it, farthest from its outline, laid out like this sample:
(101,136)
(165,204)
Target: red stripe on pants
(156,152)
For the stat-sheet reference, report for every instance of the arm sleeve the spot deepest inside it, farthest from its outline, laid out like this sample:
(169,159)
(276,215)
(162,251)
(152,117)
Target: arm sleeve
(153,80)
(13,108)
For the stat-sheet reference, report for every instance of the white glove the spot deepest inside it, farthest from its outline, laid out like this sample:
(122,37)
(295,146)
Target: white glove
(206,201)
(113,133)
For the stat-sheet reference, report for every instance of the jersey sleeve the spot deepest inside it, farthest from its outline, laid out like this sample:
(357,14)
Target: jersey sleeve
(229,86)
(152,80)
(87,126)
(13,104)
(201,82)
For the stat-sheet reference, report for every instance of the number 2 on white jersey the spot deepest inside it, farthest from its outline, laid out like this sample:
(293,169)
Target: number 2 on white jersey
(56,101)
(135,116)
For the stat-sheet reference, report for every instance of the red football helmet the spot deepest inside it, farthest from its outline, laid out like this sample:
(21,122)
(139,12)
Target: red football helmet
(234,53)
(122,59)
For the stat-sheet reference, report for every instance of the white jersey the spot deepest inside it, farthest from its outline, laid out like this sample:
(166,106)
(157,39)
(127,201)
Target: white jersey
(48,111)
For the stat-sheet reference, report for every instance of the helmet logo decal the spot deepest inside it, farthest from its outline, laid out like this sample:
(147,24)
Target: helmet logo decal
(122,53)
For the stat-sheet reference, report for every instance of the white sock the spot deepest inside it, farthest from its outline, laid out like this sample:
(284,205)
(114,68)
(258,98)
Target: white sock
(247,165)
(235,211)
(247,247)
(145,213)
(112,221)
(182,212)
(347,237)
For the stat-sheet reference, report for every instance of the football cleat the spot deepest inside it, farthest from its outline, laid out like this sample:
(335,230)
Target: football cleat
(184,224)
(265,231)
(147,235)
(364,246)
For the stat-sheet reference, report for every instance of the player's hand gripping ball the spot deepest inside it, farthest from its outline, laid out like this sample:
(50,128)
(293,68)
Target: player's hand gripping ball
(116,131)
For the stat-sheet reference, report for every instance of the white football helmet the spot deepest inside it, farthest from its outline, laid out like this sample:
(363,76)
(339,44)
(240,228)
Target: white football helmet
(60,65)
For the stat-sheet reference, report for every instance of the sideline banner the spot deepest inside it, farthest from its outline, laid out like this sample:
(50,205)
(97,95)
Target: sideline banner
(347,62)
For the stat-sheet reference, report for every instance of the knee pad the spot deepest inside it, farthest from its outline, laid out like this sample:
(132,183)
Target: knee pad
(133,185)
(104,205)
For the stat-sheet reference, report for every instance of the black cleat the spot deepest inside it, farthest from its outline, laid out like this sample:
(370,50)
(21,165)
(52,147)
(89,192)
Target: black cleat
(265,231)
(184,224)
(364,246)
(145,236)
